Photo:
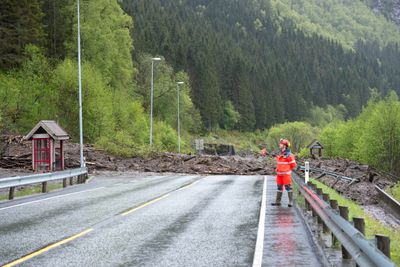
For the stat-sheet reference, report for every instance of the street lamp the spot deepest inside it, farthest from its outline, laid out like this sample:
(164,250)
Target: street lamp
(80,90)
(151,98)
(179,126)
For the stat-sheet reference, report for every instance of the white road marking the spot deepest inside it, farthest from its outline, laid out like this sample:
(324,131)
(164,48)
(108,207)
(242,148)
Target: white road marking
(44,199)
(258,253)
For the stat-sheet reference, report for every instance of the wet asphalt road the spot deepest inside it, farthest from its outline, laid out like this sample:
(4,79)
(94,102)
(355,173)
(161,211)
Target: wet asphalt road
(198,221)
(287,241)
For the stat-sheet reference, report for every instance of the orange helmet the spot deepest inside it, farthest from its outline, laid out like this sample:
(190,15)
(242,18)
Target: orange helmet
(284,142)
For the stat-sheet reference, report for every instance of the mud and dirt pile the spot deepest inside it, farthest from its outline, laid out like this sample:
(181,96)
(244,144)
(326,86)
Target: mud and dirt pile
(362,190)
(16,154)
(169,162)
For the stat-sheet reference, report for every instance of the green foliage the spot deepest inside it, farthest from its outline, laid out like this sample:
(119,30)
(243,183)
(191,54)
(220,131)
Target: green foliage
(25,93)
(322,116)
(304,153)
(338,139)
(166,94)
(165,138)
(121,144)
(300,134)
(105,40)
(379,143)
(373,137)
(244,142)
(346,21)
(97,108)
(231,116)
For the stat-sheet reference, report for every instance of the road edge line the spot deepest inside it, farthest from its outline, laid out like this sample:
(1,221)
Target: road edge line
(258,253)
(48,198)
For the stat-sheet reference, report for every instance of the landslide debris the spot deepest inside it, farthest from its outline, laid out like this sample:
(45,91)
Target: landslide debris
(363,191)
(16,154)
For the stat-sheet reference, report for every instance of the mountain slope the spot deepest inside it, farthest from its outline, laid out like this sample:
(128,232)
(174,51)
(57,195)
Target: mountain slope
(389,8)
(234,50)
(343,20)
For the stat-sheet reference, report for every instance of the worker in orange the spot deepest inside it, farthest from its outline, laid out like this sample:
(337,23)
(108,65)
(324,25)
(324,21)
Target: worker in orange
(285,163)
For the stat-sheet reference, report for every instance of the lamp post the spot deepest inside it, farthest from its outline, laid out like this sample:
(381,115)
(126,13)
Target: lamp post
(179,126)
(151,98)
(80,90)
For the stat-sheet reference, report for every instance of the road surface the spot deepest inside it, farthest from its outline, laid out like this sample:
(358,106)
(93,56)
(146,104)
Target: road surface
(175,220)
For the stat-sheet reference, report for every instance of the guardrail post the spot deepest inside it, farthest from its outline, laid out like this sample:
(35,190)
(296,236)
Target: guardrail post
(359,224)
(326,198)
(383,244)
(334,206)
(308,206)
(319,191)
(65,182)
(11,194)
(344,213)
(44,187)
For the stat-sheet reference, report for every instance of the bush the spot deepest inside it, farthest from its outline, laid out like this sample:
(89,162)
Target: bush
(300,134)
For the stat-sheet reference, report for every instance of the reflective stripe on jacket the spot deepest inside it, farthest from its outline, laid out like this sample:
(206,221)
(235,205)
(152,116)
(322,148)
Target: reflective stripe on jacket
(285,163)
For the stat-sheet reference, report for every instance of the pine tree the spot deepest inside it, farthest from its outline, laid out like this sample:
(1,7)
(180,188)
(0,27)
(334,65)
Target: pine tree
(20,24)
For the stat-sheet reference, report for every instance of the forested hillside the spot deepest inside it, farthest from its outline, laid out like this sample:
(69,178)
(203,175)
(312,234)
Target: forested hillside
(272,72)
(245,64)
(342,20)
(39,77)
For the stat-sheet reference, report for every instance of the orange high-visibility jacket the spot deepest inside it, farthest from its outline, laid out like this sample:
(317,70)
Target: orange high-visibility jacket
(285,163)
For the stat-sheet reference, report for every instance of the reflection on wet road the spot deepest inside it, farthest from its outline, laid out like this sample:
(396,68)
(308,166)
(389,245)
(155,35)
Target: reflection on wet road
(286,242)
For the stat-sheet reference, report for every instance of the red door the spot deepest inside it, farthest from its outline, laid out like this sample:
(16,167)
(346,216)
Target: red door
(42,154)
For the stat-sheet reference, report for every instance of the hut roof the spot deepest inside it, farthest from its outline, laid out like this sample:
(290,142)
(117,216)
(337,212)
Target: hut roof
(49,127)
(315,144)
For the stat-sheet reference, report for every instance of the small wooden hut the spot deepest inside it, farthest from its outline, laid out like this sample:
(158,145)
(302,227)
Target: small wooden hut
(316,149)
(47,146)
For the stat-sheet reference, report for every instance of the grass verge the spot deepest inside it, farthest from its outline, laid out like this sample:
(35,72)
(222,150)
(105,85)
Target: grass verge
(31,190)
(394,191)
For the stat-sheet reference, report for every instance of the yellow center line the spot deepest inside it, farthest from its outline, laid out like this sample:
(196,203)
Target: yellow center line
(187,186)
(36,253)
(144,205)
(45,249)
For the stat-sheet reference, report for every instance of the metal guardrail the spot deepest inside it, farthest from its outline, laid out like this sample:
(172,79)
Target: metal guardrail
(385,197)
(330,173)
(363,251)
(389,200)
(39,178)
(43,178)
